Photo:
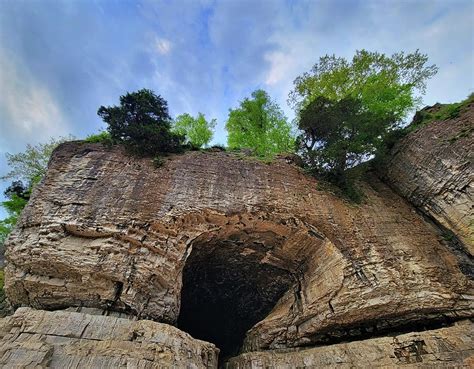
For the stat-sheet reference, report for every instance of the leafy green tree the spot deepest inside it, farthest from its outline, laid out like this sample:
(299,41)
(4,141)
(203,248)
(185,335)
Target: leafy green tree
(259,124)
(337,135)
(142,123)
(30,165)
(386,86)
(346,109)
(198,131)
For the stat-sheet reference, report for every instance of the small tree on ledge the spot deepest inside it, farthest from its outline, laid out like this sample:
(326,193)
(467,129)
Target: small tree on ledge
(142,123)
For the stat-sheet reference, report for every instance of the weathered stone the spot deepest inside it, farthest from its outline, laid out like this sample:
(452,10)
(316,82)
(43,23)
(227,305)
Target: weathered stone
(104,230)
(432,167)
(63,339)
(450,347)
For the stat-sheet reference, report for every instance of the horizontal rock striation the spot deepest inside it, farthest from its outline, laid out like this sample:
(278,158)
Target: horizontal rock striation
(63,339)
(450,347)
(432,167)
(108,231)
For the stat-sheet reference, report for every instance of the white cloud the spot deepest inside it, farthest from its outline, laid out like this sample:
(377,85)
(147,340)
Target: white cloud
(379,26)
(281,65)
(162,46)
(28,111)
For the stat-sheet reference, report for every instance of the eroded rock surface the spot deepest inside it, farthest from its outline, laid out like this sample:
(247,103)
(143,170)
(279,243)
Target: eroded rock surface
(108,231)
(451,347)
(63,339)
(432,167)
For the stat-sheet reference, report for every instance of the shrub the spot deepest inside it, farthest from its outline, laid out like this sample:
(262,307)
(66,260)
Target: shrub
(101,137)
(142,124)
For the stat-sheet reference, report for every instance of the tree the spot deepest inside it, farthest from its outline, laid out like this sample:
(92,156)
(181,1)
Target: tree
(386,86)
(142,123)
(27,167)
(30,165)
(17,197)
(18,189)
(259,124)
(197,131)
(346,109)
(337,135)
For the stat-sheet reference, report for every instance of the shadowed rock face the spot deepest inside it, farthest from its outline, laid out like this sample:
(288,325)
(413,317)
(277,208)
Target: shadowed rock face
(226,289)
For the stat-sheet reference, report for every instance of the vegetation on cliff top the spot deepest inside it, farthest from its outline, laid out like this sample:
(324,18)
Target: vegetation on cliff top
(197,131)
(346,112)
(142,123)
(346,109)
(439,112)
(259,124)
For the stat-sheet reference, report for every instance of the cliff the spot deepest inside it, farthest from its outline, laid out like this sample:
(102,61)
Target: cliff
(433,169)
(250,256)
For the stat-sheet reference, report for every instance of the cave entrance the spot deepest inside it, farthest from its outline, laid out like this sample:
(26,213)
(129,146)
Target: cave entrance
(226,290)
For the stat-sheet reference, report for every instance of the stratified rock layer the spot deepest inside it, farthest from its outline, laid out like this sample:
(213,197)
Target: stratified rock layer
(108,231)
(451,347)
(432,167)
(64,339)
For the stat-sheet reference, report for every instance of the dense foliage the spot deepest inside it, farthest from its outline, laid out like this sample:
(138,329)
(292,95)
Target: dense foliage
(142,123)
(259,124)
(337,135)
(384,85)
(197,131)
(346,109)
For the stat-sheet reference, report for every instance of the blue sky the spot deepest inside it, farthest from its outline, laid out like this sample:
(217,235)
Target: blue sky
(61,60)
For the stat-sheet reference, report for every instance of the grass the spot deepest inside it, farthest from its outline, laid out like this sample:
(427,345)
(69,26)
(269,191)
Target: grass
(421,119)
(445,111)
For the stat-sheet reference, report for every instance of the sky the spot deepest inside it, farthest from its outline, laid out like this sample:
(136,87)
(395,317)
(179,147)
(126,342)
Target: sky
(61,60)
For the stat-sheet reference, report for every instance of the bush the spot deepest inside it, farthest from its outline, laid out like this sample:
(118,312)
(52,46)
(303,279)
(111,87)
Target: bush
(142,124)
(101,137)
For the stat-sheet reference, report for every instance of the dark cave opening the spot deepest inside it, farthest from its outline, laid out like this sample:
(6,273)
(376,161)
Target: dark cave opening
(226,291)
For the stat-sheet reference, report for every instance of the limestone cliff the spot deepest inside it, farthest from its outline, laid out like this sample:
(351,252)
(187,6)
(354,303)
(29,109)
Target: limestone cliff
(250,256)
(433,169)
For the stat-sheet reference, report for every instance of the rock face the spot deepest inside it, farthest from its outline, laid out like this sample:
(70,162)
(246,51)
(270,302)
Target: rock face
(433,169)
(40,339)
(247,255)
(451,347)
